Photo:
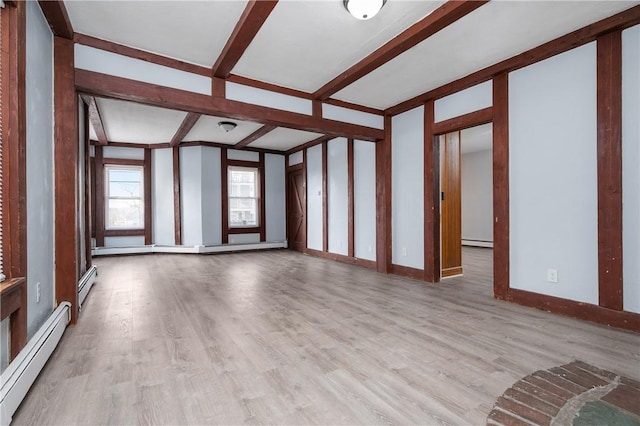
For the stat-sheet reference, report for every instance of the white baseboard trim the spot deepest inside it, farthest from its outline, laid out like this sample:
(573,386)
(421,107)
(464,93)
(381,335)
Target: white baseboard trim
(16,380)
(226,248)
(85,284)
(476,243)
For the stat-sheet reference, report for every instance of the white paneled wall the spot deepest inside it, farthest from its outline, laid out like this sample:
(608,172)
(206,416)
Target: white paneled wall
(337,197)
(314,198)
(162,197)
(364,199)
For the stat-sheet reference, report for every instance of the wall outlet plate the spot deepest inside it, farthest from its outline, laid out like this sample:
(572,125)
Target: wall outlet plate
(552,275)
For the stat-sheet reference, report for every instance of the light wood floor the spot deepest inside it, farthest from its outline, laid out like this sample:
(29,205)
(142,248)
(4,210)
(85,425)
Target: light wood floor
(276,337)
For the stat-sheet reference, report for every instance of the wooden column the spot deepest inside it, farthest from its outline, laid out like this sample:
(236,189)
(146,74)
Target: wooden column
(148,212)
(66,158)
(224,177)
(177,216)
(609,113)
(501,186)
(99,196)
(431,198)
(88,223)
(350,198)
(383,199)
(325,201)
(263,197)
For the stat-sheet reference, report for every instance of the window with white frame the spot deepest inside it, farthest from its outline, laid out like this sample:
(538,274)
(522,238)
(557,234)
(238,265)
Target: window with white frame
(124,197)
(243,197)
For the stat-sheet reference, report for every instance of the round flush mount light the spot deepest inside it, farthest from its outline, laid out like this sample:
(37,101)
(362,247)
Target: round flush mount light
(364,9)
(227,126)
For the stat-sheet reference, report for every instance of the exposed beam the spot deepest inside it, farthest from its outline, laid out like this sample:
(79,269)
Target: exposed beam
(184,129)
(254,15)
(309,144)
(255,136)
(440,18)
(56,14)
(622,20)
(165,97)
(96,121)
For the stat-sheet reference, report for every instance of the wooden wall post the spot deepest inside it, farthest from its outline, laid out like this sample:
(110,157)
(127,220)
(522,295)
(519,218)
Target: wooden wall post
(383,199)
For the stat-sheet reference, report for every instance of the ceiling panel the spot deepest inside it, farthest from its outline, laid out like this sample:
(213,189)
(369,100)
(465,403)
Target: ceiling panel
(283,139)
(192,31)
(490,34)
(137,123)
(207,129)
(305,44)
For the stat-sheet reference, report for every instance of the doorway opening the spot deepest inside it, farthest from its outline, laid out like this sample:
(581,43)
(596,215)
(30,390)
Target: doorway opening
(296,208)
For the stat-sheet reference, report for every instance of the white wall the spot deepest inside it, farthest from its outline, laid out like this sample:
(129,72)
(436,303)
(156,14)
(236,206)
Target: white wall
(364,199)
(553,182)
(630,169)
(275,200)
(191,194)
(465,101)
(477,197)
(211,209)
(337,196)
(352,116)
(242,93)
(314,197)
(407,194)
(40,178)
(295,158)
(124,153)
(162,196)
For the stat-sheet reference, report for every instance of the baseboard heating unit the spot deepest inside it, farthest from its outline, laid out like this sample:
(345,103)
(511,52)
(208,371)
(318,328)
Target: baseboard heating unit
(16,380)
(85,284)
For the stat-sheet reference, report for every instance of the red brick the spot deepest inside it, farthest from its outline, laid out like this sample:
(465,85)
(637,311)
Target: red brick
(531,401)
(542,394)
(582,378)
(624,397)
(505,419)
(594,370)
(551,388)
(523,411)
(560,382)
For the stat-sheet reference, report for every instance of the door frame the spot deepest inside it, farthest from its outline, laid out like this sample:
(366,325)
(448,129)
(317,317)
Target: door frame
(290,170)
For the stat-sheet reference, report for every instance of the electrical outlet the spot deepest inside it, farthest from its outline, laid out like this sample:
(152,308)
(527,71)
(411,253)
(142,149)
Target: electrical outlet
(404,251)
(552,275)
(38,293)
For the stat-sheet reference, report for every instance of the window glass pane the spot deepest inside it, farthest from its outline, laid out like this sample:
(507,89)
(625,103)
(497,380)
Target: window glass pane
(242,183)
(125,183)
(243,212)
(125,213)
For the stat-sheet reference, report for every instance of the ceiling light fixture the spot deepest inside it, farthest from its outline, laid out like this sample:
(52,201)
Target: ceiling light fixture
(364,9)
(227,126)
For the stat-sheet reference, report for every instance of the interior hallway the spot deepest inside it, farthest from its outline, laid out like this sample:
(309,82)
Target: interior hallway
(282,338)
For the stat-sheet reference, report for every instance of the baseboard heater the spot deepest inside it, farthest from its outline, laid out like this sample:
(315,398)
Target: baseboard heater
(16,380)
(85,284)
(225,248)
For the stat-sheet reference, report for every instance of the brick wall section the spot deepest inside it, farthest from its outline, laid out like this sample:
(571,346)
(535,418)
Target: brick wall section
(537,398)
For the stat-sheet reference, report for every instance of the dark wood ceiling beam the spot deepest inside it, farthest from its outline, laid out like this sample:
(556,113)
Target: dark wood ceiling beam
(254,15)
(184,129)
(96,121)
(440,18)
(311,143)
(620,21)
(255,136)
(56,14)
(104,85)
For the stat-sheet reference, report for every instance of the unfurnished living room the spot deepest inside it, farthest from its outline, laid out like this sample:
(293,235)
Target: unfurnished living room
(333,212)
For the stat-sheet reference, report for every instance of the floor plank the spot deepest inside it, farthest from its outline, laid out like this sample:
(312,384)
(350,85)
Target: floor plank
(281,338)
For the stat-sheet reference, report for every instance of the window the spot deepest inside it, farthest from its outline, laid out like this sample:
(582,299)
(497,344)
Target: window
(243,197)
(125,199)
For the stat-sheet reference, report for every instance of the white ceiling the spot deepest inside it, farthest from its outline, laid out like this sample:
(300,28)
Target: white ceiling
(207,129)
(475,139)
(283,139)
(137,123)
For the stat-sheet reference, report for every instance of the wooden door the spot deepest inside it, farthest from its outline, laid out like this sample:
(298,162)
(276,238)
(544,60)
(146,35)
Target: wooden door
(451,205)
(296,210)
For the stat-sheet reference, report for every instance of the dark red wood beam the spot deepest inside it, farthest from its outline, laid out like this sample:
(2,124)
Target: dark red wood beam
(254,136)
(254,15)
(96,121)
(440,18)
(184,129)
(56,14)
(165,97)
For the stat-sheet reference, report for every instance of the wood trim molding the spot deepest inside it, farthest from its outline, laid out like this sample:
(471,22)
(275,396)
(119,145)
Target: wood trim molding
(451,272)
(462,122)
(148,206)
(342,258)
(99,197)
(440,18)
(309,144)
(177,212)
(13,305)
(56,15)
(350,105)
(562,44)
(125,233)
(123,162)
(187,124)
(88,196)
(257,84)
(383,200)
(218,87)
(125,144)
(584,311)
(609,128)
(96,121)
(263,199)
(66,160)
(220,145)
(165,97)
(407,272)
(325,199)
(254,136)
(350,201)
(254,16)
(14,146)
(501,186)
(432,266)
(316,108)
(153,58)
(224,190)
